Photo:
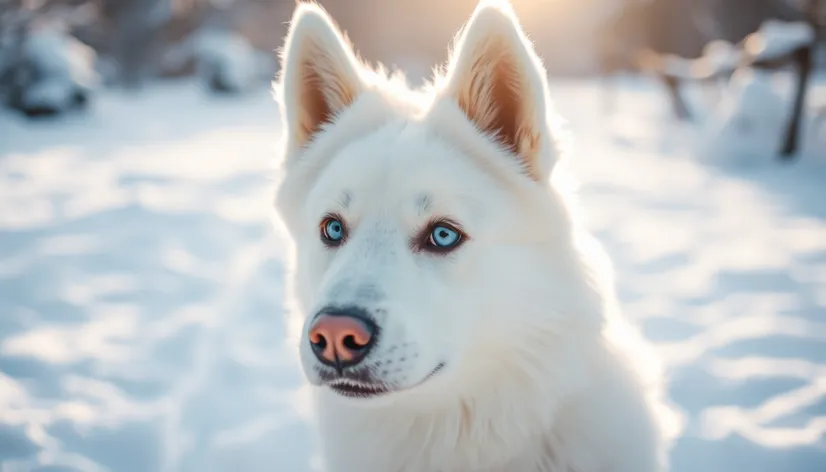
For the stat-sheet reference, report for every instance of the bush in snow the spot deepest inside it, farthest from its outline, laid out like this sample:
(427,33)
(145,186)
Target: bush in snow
(747,127)
(227,62)
(750,124)
(53,73)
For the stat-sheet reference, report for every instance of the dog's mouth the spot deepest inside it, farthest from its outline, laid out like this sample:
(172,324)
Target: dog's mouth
(350,388)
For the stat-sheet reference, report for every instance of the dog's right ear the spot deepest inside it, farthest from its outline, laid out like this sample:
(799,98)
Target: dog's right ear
(319,74)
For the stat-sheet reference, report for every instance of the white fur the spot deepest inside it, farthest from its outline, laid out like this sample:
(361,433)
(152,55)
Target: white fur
(540,372)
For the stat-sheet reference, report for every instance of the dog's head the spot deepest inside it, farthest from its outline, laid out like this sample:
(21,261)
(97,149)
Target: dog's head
(430,242)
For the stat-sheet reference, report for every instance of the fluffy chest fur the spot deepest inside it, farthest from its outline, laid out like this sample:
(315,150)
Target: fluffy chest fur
(590,417)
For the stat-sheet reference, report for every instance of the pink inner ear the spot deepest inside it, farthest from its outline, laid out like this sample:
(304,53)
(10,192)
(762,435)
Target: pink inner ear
(324,90)
(316,109)
(506,103)
(492,99)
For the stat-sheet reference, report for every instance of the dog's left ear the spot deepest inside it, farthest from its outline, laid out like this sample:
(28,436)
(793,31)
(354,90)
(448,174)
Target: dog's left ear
(498,81)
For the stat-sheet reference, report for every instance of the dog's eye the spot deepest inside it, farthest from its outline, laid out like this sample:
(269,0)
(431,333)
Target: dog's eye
(443,237)
(333,231)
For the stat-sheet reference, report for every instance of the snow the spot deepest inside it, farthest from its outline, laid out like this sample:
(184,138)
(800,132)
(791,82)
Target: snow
(773,40)
(721,55)
(61,57)
(748,121)
(677,66)
(747,127)
(227,58)
(141,286)
(226,61)
(777,38)
(56,71)
(53,92)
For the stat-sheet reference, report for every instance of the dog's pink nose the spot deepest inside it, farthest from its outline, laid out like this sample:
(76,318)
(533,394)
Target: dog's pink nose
(341,339)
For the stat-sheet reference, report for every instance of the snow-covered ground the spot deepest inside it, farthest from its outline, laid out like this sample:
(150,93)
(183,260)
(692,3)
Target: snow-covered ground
(141,286)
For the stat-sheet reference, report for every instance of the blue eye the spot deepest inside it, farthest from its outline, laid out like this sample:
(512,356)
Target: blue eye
(332,231)
(444,237)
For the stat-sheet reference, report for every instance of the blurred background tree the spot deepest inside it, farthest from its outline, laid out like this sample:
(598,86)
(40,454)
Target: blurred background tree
(232,42)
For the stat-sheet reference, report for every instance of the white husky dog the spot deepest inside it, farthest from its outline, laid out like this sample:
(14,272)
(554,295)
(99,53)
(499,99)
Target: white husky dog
(453,314)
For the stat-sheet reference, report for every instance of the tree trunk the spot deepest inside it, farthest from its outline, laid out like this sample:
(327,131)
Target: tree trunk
(804,58)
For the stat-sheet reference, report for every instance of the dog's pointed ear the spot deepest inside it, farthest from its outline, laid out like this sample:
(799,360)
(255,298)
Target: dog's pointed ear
(496,78)
(320,74)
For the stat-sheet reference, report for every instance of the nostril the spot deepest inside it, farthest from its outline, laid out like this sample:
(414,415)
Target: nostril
(319,341)
(351,343)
